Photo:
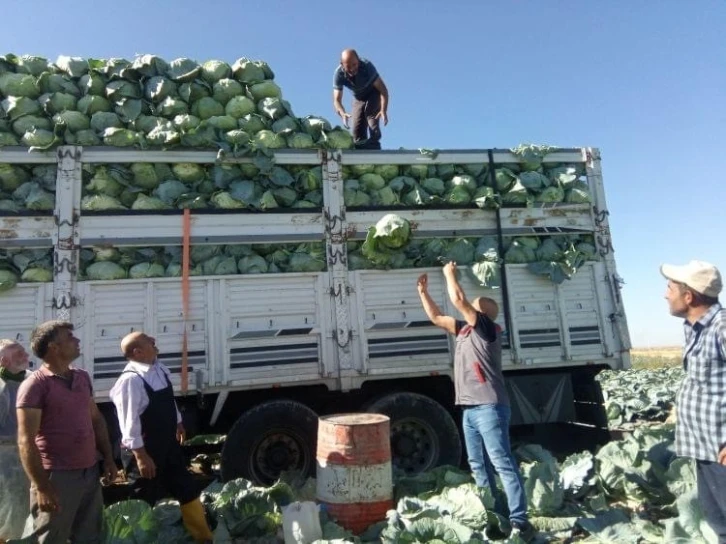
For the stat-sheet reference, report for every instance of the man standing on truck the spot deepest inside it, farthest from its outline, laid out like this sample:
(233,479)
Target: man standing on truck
(480,391)
(692,294)
(60,431)
(152,432)
(15,495)
(370,99)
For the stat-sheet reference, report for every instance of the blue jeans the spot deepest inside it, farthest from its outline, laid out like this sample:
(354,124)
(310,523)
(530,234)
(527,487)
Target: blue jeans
(486,433)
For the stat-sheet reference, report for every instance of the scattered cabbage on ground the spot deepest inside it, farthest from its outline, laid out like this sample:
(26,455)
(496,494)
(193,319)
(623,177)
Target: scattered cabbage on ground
(631,490)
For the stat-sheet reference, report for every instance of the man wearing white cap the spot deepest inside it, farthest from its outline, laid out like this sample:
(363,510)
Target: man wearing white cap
(692,294)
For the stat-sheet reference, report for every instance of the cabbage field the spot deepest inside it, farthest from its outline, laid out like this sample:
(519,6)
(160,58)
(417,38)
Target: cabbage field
(632,490)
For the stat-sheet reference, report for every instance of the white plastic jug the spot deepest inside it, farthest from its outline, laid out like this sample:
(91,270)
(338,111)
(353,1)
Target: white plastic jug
(301,523)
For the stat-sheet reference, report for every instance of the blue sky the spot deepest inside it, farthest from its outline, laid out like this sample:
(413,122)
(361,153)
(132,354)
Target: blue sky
(644,81)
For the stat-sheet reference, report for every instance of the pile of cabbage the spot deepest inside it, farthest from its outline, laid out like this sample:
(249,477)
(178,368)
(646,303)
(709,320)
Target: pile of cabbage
(149,102)
(256,186)
(556,257)
(513,185)
(263,185)
(25,266)
(111,263)
(27,188)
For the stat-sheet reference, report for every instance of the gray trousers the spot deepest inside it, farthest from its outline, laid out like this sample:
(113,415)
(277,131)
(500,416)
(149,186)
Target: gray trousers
(80,516)
(363,119)
(14,488)
(711,481)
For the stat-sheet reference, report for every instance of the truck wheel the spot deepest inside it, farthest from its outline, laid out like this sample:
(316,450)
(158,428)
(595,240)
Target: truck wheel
(423,433)
(270,438)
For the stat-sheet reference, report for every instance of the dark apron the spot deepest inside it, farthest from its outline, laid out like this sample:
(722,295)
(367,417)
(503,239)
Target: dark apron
(158,429)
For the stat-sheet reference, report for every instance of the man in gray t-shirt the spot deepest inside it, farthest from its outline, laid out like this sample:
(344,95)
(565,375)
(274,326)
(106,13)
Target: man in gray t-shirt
(370,99)
(480,391)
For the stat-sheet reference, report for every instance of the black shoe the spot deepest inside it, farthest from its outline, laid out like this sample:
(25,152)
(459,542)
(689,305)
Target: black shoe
(368,144)
(494,532)
(526,530)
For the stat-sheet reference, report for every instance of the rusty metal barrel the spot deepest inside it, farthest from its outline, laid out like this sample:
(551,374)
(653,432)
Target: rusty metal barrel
(354,477)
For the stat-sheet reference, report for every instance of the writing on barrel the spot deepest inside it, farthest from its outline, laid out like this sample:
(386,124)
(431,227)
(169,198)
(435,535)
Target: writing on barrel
(354,477)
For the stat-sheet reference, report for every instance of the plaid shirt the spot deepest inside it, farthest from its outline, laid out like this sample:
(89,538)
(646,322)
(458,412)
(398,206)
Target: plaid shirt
(701,400)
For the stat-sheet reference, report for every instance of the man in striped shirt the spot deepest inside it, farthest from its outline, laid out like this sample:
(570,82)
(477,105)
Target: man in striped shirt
(692,294)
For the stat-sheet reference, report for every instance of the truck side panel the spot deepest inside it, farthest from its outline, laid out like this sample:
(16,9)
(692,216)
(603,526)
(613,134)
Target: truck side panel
(339,338)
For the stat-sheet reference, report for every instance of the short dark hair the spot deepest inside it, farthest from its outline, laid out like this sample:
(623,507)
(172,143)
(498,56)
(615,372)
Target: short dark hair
(44,334)
(699,299)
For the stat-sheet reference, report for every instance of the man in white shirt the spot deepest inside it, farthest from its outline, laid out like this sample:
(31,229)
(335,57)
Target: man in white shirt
(152,433)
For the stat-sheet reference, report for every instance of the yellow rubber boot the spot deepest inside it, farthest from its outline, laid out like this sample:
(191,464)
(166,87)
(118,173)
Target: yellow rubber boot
(195,522)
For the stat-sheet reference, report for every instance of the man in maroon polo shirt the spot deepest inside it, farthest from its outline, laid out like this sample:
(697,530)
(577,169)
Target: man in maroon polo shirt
(60,431)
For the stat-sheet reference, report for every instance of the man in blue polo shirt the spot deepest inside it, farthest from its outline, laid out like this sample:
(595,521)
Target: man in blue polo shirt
(370,99)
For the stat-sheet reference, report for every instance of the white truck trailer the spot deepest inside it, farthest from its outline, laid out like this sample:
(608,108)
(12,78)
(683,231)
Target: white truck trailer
(259,356)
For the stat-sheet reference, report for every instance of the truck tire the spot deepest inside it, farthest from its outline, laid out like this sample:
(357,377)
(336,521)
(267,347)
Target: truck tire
(423,433)
(272,437)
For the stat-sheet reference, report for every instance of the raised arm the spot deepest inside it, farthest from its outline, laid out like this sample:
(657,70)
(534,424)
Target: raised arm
(28,426)
(457,296)
(432,310)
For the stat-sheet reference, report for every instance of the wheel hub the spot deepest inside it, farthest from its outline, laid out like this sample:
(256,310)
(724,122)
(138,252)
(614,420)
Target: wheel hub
(415,445)
(274,453)
(403,445)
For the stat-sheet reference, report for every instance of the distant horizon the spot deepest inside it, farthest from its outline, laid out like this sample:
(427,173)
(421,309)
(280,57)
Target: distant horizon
(657,348)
